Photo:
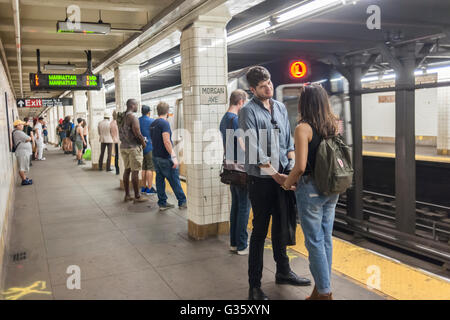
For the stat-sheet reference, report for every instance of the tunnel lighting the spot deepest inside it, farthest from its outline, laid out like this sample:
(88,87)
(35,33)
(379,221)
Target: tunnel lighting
(247,32)
(309,9)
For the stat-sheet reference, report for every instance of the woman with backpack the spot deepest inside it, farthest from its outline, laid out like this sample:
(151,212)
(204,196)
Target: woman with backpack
(79,139)
(316,210)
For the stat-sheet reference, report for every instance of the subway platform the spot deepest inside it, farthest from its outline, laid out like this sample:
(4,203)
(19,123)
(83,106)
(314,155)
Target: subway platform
(75,216)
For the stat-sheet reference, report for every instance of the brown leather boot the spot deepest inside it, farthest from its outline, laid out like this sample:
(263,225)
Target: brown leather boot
(313,295)
(326,296)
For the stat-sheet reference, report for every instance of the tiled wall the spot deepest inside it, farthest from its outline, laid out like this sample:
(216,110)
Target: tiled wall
(204,62)
(443,137)
(8,174)
(97,107)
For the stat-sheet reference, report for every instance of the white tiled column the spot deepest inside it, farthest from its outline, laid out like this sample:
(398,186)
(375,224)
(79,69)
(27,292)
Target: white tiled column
(52,138)
(68,111)
(60,112)
(443,130)
(79,105)
(97,107)
(204,64)
(127,84)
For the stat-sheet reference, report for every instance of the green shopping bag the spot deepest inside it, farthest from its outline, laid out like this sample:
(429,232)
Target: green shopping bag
(87,154)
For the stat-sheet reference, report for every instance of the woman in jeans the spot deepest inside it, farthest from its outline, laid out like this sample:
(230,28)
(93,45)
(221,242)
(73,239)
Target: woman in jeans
(316,211)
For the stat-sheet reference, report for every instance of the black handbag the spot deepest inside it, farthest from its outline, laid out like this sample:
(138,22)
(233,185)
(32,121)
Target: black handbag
(233,174)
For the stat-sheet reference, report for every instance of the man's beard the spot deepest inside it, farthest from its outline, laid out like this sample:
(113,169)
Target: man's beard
(264,97)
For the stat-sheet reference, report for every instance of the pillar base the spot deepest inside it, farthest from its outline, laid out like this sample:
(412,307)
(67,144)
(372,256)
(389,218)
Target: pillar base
(201,232)
(443,152)
(95,166)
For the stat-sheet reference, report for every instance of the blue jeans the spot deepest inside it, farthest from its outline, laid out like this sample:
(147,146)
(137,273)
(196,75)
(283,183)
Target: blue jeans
(164,170)
(316,214)
(240,209)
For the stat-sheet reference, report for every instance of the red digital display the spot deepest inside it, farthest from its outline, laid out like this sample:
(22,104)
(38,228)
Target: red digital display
(298,69)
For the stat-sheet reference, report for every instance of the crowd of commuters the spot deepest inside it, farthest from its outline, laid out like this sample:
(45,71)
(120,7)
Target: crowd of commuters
(146,145)
(73,137)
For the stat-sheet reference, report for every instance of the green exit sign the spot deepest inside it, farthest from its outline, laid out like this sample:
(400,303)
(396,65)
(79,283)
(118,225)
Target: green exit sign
(40,81)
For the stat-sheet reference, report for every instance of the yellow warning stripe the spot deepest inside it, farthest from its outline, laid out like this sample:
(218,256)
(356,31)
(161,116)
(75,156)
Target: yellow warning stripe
(418,157)
(375,272)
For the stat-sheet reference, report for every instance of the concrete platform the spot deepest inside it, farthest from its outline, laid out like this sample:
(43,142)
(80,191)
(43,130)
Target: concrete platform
(72,215)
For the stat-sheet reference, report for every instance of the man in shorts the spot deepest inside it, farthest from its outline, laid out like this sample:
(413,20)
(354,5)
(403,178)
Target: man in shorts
(23,150)
(132,144)
(147,166)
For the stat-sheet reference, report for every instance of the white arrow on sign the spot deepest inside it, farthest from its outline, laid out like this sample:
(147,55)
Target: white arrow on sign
(20,103)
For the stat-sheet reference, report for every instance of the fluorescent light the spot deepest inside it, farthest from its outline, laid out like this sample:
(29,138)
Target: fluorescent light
(308,9)
(368,79)
(110,88)
(162,66)
(439,69)
(336,79)
(83,27)
(389,76)
(247,32)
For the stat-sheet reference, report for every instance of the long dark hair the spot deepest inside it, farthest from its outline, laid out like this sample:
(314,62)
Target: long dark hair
(314,109)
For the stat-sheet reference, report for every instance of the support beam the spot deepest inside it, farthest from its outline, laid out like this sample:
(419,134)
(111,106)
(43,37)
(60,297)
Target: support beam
(353,71)
(355,195)
(405,146)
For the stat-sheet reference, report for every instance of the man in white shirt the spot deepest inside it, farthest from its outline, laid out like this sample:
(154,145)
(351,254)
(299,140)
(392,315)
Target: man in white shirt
(106,140)
(39,138)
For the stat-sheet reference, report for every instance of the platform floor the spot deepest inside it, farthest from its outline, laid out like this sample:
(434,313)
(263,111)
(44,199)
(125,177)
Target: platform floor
(72,215)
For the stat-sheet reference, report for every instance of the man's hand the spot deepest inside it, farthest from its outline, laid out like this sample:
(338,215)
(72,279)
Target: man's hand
(143,144)
(279,178)
(175,162)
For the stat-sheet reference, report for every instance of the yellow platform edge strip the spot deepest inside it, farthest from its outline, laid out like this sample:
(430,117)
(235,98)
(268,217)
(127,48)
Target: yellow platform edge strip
(418,157)
(373,271)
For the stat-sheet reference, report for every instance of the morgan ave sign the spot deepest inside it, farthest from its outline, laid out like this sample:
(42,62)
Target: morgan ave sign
(213,94)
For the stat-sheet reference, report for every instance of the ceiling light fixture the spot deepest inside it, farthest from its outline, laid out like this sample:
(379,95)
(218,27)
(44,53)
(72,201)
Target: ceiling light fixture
(83,27)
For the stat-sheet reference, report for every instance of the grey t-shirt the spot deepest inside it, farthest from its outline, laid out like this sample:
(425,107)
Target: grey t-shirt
(20,142)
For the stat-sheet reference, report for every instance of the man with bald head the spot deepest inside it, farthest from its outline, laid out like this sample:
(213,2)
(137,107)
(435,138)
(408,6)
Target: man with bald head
(132,144)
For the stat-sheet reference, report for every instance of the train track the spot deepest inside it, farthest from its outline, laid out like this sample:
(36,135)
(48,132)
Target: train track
(432,232)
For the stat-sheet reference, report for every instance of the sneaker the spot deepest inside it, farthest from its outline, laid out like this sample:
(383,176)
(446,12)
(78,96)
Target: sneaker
(183,205)
(143,190)
(233,249)
(26,182)
(166,206)
(43,159)
(243,252)
(140,199)
(151,190)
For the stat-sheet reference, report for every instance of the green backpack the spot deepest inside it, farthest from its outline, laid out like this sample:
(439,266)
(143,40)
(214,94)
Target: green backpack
(333,171)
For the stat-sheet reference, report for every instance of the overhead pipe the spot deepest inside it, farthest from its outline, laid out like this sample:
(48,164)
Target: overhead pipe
(15,7)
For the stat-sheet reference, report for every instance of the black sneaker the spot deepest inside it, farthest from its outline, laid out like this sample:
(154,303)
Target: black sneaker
(166,206)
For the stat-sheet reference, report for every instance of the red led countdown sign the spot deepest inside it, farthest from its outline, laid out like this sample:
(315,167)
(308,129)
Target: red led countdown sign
(298,69)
